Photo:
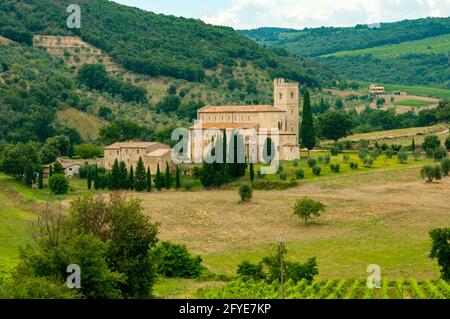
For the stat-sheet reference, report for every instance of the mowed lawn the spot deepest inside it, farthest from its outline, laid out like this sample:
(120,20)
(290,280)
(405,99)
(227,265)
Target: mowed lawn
(376,217)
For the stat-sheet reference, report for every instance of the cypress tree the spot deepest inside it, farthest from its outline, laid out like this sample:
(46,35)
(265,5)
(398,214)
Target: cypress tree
(413,145)
(158,179)
(122,176)
(167,177)
(96,180)
(140,182)
(89,177)
(41,178)
(50,171)
(115,183)
(149,180)
(131,179)
(252,173)
(29,175)
(307,131)
(177,178)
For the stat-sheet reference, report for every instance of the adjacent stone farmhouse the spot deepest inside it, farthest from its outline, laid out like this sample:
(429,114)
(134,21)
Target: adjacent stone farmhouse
(283,115)
(152,153)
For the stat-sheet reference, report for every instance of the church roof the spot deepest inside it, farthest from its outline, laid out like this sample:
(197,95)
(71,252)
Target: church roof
(238,109)
(118,145)
(224,125)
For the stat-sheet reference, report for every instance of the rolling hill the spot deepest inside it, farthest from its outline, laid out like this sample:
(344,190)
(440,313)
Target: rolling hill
(172,59)
(410,52)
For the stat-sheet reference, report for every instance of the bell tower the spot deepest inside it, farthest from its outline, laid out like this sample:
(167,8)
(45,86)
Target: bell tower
(286,99)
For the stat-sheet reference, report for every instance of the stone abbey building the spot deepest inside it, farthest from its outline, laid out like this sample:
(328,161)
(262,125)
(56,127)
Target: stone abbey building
(283,116)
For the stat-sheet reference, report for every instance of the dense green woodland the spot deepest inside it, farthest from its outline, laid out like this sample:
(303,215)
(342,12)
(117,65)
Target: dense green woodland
(151,44)
(320,41)
(404,67)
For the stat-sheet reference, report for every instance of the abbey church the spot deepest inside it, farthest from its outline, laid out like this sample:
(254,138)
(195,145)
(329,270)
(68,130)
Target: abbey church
(283,116)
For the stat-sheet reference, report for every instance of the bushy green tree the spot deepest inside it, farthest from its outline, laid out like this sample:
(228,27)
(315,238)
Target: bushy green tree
(441,250)
(445,166)
(306,208)
(174,260)
(430,173)
(58,184)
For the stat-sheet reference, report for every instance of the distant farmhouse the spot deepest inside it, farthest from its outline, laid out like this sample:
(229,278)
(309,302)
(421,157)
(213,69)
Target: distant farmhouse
(283,115)
(152,154)
(377,90)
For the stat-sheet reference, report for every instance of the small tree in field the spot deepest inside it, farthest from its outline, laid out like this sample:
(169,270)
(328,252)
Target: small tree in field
(445,166)
(246,192)
(252,172)
(402,157)
(430,173)
(306,208)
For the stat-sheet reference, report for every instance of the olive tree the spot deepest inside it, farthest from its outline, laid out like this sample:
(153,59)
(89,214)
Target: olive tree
(306,208)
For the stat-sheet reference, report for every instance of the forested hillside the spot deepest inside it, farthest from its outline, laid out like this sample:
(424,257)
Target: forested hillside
(410,52)
(148,43)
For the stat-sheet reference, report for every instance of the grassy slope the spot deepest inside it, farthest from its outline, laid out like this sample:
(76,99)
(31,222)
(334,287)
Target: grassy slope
(86,124)
(433,45)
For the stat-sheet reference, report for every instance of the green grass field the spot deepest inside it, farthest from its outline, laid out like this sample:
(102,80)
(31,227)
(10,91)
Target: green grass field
(434,45)
(412,103)
(378,215)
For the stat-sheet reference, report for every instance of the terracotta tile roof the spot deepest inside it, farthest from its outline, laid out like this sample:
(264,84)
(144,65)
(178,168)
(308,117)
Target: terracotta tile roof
(159,152)
(224,125)
(238,108)
(131,145)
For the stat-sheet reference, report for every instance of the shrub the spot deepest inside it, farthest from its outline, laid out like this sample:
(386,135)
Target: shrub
(416,154)
(368,161)
(300,174)
(439,154)
(445,166)
(334,151)
(312,162)
(402,157)
(283,176)
(363,153)
(306,208)
(335,168)
(248,271)
(295,164)
(353,165)
(327,159)
(316,170)
(389,153)
(188,185)
(246,192)
(375,153)
(431,173)
(431,142)
(58,184)
(175,261)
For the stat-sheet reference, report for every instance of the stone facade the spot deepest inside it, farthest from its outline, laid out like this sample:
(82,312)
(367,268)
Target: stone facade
(283,115)
(152,153)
